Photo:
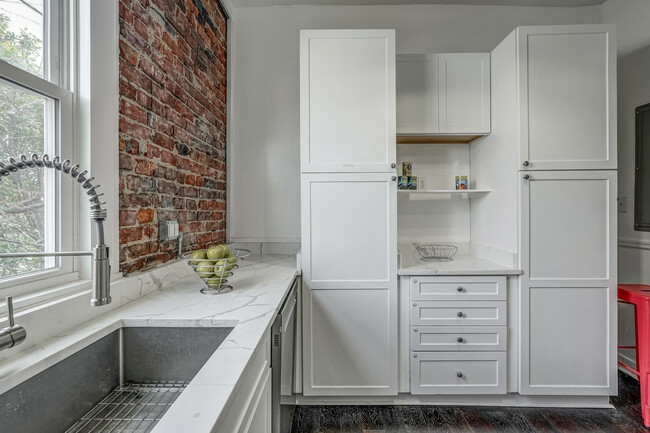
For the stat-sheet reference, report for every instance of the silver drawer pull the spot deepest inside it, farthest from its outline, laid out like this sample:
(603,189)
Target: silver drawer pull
(459,314)
(459,374)
(460,339)
(459,288)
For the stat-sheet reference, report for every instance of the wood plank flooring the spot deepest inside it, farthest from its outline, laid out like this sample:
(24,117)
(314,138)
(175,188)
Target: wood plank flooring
(625,418)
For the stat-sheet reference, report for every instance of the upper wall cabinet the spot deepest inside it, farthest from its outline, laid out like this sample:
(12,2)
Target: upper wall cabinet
(347,100)
(567,78)
(443,93)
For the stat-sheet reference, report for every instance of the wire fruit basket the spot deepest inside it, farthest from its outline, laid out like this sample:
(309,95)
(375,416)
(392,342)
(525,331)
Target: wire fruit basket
(436,252)
(216,271)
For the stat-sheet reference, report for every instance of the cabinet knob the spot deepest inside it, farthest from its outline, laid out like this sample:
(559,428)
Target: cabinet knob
(459,374)
(459,314)
(459,288)
(415,356)
(415,305)
(393,165)
(460,339)
(415,281)
(526,176)
(415,330)
(393,178)
(526,163)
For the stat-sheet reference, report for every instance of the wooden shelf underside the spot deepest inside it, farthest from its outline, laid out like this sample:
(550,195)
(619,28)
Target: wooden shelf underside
(438,139)
(436,194)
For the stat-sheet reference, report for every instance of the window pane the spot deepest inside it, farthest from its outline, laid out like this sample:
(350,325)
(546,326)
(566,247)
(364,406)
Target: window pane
(21,34)
(27,197)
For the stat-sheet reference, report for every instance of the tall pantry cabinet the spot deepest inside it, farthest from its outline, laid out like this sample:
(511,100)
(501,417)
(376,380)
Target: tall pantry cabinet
(348,212)
(555,108)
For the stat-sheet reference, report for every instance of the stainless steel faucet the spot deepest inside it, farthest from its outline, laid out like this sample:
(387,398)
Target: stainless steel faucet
(13,334)
(101,268)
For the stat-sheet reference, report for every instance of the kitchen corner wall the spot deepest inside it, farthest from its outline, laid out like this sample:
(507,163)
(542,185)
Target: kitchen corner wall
(172,125)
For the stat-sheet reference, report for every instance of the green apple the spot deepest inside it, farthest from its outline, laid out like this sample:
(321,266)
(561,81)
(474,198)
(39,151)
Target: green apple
(198,254)
(205,269)
(216,253)
(226,250)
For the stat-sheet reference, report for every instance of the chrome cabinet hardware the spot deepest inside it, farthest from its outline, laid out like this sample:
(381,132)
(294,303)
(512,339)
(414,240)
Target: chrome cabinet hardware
(526,176)
(459,314)
(459,288)
(14,334)
(526,163)
(393,178)
(460,339)
(393,165)
(459,374)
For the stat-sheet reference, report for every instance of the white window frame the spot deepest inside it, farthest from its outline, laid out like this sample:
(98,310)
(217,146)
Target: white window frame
(83,80)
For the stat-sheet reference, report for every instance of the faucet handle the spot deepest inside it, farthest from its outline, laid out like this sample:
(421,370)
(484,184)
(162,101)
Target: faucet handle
(10,310)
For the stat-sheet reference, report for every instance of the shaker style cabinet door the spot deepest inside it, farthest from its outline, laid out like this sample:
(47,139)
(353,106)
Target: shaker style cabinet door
(349,265)
(347,101)
(417,94)
(464,93)
(567,78)
(568,288)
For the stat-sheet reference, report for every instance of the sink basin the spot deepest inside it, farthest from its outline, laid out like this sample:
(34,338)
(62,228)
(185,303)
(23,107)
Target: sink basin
(123,382)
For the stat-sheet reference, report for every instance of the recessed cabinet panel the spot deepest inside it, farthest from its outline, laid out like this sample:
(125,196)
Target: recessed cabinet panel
(568,98)
(458,313)
(464,89)
(458,338)
(349,230)
(417,103)
(347,100)
(352,342)
(458,373)
(457,288)
(569,225)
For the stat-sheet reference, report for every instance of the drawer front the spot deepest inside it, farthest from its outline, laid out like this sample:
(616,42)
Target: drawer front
(458,313)
(459,338)
(458,373)
(470,288)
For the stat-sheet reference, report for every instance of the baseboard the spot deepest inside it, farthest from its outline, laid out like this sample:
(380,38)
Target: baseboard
(509,400)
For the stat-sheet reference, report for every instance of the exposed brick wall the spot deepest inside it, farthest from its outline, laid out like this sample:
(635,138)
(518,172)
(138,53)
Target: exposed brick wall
(172,126)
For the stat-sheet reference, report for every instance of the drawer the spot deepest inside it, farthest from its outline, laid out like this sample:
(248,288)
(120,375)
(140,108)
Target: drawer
(459,338)
(471,288)
(458,313)
(458,373)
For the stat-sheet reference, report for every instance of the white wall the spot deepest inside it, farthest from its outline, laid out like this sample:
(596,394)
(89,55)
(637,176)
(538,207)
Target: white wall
(631,18)
(264,145)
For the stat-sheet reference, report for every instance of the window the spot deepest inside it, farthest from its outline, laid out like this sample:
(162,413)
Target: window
(35,118)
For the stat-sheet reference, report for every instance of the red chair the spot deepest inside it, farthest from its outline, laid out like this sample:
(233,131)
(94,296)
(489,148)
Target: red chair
(639,296)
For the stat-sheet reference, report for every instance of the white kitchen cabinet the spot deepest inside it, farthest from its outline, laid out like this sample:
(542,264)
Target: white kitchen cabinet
(350,342)
(259,419)
(459,338)
(568,288)
(443,93)
(567,79)
(458,373)
(459,288)
(417,99)
(349,265)
(462,313)
(464,93)
(347,100)
(349,231)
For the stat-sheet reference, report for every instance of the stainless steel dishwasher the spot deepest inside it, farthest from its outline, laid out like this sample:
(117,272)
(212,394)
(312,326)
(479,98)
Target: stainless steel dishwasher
(282,353)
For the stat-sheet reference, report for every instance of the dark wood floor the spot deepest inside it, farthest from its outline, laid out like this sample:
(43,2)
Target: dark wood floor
(625,418)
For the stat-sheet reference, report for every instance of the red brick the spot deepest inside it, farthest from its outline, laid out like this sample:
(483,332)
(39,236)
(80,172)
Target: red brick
(145,215)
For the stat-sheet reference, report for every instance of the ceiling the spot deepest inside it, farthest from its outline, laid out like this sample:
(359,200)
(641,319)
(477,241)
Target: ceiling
(565,3)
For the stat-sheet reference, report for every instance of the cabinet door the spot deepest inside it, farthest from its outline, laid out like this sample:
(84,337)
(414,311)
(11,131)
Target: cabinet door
(349,264)
(567,81)
(568,288)
(464,93)
(347,100)
(349,231)
(259,420)
(350,342)
(417,99)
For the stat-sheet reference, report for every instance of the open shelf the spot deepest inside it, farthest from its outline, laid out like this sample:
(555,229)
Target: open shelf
(438,138)
(441,194)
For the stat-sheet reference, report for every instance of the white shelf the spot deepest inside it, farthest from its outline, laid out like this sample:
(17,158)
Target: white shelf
(442,194)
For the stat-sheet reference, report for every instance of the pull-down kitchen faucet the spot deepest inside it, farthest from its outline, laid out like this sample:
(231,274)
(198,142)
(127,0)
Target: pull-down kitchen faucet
(101,266)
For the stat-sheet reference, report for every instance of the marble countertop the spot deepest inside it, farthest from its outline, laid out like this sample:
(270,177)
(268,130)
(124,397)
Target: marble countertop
(260,284)
(463,263)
